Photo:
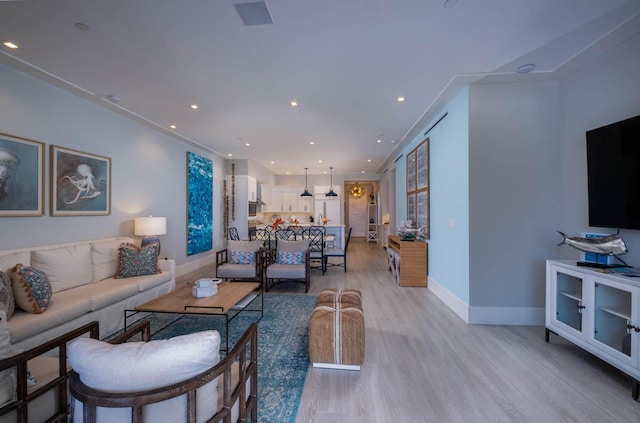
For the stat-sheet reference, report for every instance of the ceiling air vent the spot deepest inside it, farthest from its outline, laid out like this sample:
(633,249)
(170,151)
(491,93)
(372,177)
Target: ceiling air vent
(254,13)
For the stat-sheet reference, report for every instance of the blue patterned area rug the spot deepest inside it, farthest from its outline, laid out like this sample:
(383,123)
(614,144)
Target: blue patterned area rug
(283,348)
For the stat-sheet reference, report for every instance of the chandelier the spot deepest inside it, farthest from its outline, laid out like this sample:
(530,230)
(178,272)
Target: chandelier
(356,191)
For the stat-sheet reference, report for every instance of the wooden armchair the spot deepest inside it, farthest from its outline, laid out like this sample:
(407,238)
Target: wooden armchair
(240,261)
(236,390)
(47,400)
(290,261)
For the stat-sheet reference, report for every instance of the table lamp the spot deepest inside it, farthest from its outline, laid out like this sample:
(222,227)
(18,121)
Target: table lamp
(150,228)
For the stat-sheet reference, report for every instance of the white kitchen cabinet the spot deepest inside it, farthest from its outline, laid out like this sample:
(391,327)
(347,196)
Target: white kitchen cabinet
(252,189)
(600,312)
(285,198)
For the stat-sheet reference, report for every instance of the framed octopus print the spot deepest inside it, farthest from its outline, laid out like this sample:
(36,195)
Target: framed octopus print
(80,183)
(21,177)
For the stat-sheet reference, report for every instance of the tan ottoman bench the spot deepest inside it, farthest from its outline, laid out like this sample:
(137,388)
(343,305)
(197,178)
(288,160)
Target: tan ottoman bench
(336,330)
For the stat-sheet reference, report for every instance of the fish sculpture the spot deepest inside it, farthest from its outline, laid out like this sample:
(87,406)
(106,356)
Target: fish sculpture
(609,245)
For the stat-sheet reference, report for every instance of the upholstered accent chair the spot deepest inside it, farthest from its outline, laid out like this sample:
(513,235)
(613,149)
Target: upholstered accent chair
(240,261)
(177,380)
(289,261)
(337,253)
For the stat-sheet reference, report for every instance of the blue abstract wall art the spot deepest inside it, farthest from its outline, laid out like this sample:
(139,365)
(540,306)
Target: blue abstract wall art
(200,204)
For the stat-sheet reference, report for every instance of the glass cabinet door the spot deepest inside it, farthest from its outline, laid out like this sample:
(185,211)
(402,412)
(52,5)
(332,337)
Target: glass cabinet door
(568,298)
(612,317)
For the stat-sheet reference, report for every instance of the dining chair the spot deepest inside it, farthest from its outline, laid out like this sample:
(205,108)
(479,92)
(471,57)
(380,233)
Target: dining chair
(264,235)
(315,236)
(285,235)
(233,234)
(339,253)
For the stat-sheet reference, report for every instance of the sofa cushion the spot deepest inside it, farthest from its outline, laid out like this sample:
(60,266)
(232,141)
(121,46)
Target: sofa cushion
(9,261)
(31,289)
(64,307)
(138,366)
(104,293)
(104,259)
(7,301)
(66,267)
(136,261)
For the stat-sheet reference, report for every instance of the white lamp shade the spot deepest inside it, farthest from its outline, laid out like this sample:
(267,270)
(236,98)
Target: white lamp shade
(150,226)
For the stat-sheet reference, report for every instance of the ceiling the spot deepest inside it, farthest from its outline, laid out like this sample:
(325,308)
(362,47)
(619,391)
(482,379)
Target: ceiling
(345,61)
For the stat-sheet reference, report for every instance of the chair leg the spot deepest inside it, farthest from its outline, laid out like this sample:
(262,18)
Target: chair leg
(345,263)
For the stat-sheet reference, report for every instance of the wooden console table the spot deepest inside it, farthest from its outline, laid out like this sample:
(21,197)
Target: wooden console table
(414,264)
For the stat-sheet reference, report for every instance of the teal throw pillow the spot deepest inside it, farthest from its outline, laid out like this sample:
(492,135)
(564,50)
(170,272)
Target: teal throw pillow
(135,261)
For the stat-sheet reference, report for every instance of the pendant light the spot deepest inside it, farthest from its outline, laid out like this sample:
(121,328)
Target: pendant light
(331,193)
(306,192)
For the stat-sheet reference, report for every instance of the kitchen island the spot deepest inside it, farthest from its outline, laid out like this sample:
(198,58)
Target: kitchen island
(335,229)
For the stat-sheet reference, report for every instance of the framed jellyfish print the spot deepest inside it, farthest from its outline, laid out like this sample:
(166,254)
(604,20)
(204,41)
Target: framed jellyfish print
(80,183)
(21,177)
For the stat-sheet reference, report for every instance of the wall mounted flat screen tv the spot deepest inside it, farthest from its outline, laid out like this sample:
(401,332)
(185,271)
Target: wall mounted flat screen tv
(613,168)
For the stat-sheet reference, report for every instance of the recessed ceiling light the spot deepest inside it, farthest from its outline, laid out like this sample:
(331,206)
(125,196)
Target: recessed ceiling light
(319,161)
(400,99)
(230,155)
(288,173)
(10,44)
(392,141)
(172,126)
(311,142)
(194,106)
(379,141)
(325,172)
(363,171)
(369,160)
(293,103)
(526,68)
(272,162)
(247,144)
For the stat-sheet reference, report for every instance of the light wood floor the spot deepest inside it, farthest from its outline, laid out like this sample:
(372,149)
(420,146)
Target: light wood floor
(424,364)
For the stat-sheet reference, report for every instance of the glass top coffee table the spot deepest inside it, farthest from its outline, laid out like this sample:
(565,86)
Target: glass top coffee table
(231,299)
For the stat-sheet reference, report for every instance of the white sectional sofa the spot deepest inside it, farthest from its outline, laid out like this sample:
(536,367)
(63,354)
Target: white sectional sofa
(84,288)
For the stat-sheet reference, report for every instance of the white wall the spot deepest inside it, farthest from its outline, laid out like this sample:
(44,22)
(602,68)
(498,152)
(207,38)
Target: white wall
(148,168)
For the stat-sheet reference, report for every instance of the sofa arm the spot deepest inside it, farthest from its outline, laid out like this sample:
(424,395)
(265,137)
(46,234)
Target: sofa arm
(221,257)
(167,266)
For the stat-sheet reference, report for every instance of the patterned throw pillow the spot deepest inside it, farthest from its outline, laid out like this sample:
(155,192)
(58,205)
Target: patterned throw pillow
(290,257)
(7,302)
(31,289)
(135,261)
(242,257)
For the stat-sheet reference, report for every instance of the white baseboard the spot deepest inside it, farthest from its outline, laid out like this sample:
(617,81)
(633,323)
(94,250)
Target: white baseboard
(336,366)
(456,305)
(520,316)
(194,265)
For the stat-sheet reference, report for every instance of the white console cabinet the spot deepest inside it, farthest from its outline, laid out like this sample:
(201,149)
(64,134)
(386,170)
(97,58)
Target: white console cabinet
(600,312)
